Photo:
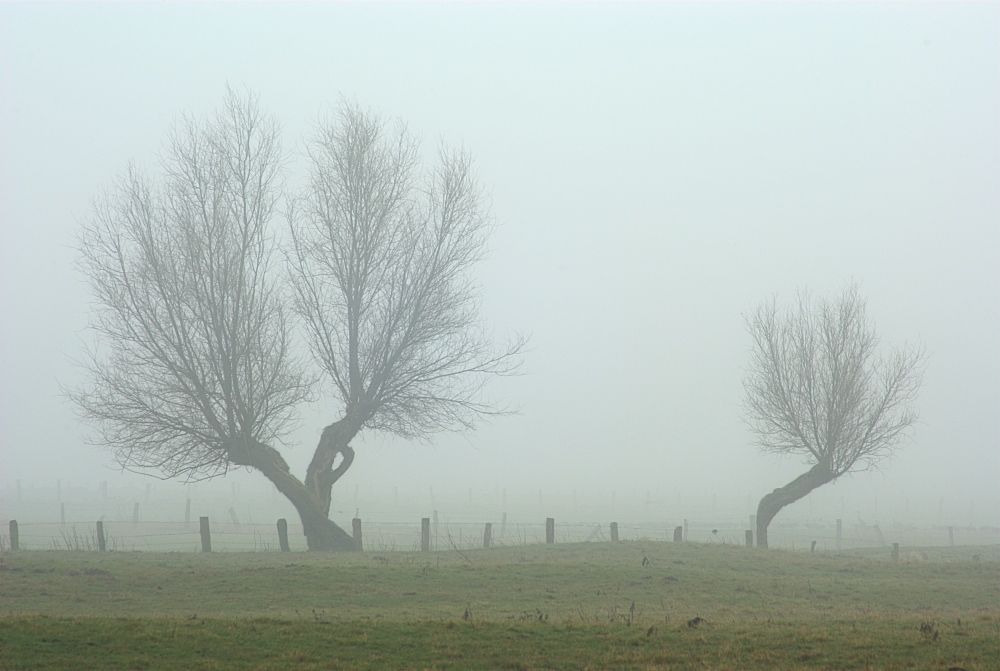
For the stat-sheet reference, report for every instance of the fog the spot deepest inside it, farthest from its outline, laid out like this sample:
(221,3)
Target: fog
(656,171)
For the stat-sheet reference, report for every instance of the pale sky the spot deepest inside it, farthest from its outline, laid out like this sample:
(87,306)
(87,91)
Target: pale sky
(656,171)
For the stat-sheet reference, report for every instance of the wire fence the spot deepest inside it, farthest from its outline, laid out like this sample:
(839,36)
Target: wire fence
(164,517)
(233,535)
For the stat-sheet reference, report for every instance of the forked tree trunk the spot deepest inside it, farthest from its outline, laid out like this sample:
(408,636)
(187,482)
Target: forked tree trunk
(772,503)
(321,475)
(321,533)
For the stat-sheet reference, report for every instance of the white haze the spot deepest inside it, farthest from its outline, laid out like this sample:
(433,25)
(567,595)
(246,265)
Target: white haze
(656,171)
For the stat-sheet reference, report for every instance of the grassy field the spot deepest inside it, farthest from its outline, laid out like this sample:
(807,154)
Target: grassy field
(597,605)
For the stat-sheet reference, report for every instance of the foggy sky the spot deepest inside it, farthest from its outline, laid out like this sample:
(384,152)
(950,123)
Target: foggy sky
(656,171)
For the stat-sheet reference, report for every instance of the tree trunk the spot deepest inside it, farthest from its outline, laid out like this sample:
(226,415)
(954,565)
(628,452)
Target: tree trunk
(321,475)
(772,503)
(320,532)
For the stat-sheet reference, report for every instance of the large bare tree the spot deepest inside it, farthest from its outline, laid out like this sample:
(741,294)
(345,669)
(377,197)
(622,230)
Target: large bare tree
(380,261)
(192,371)
(817,386)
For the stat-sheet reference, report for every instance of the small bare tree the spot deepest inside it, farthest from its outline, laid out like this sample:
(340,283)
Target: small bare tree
(817,386)
(380,262)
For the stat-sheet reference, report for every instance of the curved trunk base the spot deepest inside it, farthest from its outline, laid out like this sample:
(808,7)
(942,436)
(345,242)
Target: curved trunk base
(772,503)
(321,533)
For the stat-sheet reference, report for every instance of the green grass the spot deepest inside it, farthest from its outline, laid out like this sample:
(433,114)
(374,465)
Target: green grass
(624,605)
(123,643)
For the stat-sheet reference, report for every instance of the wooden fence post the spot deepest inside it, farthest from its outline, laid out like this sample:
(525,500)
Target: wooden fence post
(488,535)
(283,534)
(14,542)
(425,534)
(614,532)
(206,535)
(356,528)
(749,538)
(840,532)
(102,542)
(550,530)
(813,548)
(678,534)
(895,552)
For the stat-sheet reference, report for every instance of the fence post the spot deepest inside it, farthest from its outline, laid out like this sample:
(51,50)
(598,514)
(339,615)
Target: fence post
(550,530)
(13,532)
(678,534)
(425,534)
(206,535)
(749,538)
(102,543)
(840,532)
(488,535)
(283,534)
(356,528)
(813,548)
(951,536)
(135,514)
(895,552)
(614,532)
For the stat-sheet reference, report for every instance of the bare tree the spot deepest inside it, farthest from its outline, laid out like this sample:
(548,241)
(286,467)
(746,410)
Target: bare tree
(380,263)
(817,386)
(193,372)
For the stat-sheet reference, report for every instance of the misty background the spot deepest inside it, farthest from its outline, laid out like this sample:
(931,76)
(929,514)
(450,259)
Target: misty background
(656,171)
